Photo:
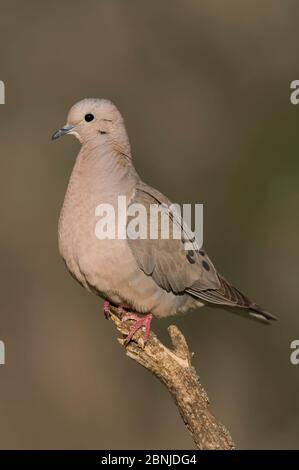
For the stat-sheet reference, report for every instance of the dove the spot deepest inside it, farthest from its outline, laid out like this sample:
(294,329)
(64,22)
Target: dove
(143,277)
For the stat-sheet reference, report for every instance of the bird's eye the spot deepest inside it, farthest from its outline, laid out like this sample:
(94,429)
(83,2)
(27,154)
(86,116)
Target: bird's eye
(88,117)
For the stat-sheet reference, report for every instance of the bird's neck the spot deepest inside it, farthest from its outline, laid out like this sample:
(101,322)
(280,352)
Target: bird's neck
(103,170)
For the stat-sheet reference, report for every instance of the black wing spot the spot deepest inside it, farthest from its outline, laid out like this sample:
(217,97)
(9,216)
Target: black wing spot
(206,265)
(190,256)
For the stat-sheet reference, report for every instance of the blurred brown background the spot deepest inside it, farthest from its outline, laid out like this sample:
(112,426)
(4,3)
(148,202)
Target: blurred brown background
(204,89)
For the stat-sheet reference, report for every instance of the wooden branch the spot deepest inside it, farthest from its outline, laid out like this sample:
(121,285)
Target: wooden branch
(174,369)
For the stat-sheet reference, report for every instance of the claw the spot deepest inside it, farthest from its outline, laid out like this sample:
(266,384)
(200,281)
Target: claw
(106,309)
(121,311)
(140,322)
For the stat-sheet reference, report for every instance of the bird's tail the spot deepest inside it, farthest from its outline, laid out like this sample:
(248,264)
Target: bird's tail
(260,314)
(228,297)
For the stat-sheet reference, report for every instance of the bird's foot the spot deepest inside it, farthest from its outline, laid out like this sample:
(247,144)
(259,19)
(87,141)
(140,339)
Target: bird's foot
(140,322)
(121,311)
(106,309)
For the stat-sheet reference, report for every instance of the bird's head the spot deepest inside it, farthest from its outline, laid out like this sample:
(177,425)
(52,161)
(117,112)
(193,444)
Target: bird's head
(94,119)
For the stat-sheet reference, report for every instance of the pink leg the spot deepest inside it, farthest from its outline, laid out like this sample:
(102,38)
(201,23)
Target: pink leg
(106,308)
(140,322)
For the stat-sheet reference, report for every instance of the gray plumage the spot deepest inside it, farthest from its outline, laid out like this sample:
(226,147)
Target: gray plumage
(144,275)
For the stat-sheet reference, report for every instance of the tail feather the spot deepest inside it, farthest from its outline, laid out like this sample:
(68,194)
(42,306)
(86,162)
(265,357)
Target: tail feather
(260,314)
(228,296)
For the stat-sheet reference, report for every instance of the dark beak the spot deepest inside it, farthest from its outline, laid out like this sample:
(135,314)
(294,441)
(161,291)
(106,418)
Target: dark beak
(63,131)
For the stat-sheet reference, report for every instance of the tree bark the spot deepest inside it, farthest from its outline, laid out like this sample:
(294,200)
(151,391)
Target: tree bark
(174,369)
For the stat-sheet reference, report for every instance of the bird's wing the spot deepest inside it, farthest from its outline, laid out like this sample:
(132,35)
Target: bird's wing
(166,260)
(178,270)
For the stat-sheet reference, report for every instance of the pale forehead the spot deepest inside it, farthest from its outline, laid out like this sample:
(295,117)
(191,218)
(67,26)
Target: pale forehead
(100,107)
